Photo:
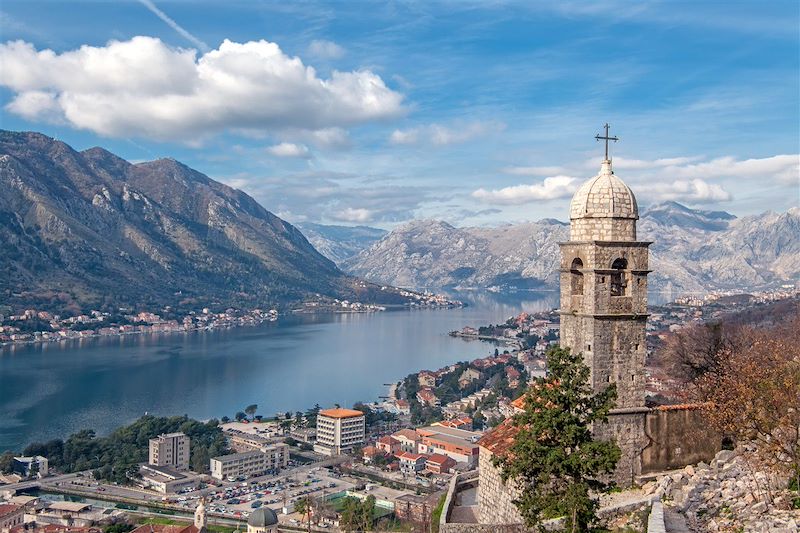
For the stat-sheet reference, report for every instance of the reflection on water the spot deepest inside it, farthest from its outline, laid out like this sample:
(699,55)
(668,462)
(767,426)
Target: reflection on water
(51,390)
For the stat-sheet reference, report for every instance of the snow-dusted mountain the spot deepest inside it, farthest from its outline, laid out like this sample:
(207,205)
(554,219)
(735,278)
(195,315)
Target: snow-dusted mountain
(339,243)
(693,250)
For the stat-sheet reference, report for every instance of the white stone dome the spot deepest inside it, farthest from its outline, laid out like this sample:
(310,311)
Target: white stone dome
(604,196)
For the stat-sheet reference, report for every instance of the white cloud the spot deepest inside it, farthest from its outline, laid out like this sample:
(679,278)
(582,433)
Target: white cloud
(330,138)
(439,135)
(404,136)
(289,150)
(696,190)
(351,214)
(323,49)
(144,88)
(782,168)
(550,189)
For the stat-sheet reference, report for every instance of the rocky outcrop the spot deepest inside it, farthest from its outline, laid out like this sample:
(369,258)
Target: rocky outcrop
(728,494)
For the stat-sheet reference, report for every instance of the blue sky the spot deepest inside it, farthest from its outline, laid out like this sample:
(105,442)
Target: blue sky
(479,113)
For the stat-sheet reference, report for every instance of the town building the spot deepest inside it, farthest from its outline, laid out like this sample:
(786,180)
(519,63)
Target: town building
(28,467)
(11,515)
(426,396)
(411,463)
(388,444)
(170,449)
(251,463)
(460,445)
(246,442)
(463,422)
(69,513)
(439,463)
(407,439)
(339,431)
(167,479)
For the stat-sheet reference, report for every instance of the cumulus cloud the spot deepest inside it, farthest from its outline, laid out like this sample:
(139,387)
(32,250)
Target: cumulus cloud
(289,150)
(145,88)
(439,135)
(323,49)
(695,190)
(551,188)
(782,168)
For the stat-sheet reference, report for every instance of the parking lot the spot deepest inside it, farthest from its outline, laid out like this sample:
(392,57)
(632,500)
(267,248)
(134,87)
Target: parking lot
(239,499)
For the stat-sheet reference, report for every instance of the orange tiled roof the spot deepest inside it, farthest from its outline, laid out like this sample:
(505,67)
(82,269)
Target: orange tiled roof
(519,403)
(499,439)
(340,413)
(439,459)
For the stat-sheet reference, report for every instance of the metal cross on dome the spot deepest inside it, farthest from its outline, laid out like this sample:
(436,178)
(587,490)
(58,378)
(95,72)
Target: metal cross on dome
(606,138)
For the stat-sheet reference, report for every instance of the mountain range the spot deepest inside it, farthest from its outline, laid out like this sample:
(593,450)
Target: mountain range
(88,229)
(693,251)
(82,230)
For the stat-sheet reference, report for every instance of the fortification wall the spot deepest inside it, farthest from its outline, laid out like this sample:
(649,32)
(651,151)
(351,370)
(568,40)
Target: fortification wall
(678,436)
(495,498)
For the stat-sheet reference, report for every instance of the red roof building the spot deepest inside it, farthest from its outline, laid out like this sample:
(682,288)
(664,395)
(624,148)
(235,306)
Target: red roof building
(439,464)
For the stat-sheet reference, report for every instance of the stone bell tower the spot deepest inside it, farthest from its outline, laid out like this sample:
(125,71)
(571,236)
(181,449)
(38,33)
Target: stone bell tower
(604,303)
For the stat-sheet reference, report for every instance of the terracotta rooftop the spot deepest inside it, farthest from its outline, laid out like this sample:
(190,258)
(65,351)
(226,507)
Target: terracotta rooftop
(341,413)
(8,508)
(439,459)
(409,434)
(499,439)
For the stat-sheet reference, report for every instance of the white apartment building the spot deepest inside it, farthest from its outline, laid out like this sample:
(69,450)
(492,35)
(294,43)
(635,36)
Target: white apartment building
(252,463)
(339,430)
(170,449)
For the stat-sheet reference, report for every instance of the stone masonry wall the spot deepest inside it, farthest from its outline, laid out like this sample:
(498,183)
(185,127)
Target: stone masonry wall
(677,437)
(602,229)
(627,430)
(495,498)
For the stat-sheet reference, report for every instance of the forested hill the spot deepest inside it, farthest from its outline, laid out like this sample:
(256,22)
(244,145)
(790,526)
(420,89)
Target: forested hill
(118,455)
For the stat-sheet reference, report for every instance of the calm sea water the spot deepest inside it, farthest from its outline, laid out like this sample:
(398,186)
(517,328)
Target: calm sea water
(51,390)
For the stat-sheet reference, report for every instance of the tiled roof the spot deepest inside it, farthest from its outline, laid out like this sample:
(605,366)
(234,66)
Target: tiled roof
(499,439)
(410,456)
(439,459)
(8,508)
(409,434)
(341,413)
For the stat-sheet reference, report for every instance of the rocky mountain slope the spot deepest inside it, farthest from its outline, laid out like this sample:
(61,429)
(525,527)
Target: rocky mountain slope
(89,229)
(693,250)
(339,243)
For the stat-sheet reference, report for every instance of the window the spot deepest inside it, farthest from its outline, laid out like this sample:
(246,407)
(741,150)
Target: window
(576,276)
(619,284)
